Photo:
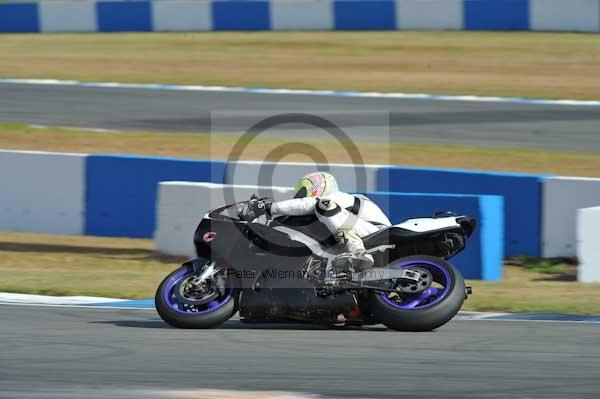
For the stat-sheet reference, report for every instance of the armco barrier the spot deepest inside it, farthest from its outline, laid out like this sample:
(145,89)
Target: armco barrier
(181,205)
(563,196)
(121,190)
(521,192)
(185,15)
(588,245)
(42,192)
(284,174)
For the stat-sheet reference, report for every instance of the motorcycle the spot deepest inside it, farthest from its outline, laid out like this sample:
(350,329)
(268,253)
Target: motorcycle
(287,270)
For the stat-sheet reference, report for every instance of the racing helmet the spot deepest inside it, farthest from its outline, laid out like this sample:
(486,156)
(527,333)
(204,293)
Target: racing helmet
(317,184)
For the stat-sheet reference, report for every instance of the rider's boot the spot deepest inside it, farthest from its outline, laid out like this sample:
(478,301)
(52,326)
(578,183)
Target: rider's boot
(354,252)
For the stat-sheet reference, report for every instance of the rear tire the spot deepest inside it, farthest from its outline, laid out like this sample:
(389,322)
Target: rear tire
(427,317)
(208,319)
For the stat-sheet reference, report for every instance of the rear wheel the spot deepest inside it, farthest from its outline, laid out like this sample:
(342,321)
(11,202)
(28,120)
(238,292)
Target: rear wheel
(184,302)
(426,310)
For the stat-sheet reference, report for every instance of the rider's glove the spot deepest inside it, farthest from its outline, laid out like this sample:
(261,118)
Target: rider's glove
(256,208)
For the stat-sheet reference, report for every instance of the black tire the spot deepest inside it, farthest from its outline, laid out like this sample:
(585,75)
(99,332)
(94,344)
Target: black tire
(423,319)
(191,320)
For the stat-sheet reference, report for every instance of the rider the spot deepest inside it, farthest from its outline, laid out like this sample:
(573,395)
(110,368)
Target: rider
(348,217)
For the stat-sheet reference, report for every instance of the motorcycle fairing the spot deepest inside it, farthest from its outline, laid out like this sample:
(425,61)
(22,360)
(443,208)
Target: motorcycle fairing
(285,244)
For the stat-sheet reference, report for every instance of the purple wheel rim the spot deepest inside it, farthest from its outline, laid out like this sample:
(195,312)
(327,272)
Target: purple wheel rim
(170,299)
(430,296)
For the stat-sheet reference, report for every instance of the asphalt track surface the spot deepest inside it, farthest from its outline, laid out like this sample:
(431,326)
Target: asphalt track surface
(555,127)
(62,352)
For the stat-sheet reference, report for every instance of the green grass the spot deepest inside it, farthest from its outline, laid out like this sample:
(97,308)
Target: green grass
(533,64)
(203,146)
(537,285)
(64,265)
(547,266)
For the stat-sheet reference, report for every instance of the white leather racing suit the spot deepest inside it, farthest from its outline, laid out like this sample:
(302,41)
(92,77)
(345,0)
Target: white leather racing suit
(338,211)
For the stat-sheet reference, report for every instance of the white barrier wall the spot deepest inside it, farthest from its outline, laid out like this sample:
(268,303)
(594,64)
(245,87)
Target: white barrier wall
(204,15)
(181,206)
(588,245)
(301,15)
(42,192)
(287,174)
(181,15)
(429,14)
(562,197)
(561,15)
(68,16)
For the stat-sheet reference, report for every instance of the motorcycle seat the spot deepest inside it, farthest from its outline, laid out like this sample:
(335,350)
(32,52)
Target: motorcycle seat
(391,235)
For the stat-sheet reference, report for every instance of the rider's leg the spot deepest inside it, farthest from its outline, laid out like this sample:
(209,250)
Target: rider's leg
(347,228)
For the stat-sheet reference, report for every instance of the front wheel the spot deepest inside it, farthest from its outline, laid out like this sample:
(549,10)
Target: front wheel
(184,302)
(426,310)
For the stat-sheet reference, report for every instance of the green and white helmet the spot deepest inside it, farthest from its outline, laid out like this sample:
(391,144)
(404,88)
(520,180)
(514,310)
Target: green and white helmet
(317,184)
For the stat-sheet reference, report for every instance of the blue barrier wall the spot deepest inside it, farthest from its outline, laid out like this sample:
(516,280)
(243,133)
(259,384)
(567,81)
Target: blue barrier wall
(521,192)
(19,17)
(241,15)
(117,196)
(483,256)
(496,14)
(121,190)
(364,15)
(122,16)
(139,15)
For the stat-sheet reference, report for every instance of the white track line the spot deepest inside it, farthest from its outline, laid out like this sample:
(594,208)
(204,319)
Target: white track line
(333,93)
(86,129)
(230,394)
(10,298)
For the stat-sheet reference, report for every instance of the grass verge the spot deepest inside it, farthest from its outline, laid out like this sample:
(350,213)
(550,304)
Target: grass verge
(201,146)
(65,265)
(126,268)
(533,64)
(532,285)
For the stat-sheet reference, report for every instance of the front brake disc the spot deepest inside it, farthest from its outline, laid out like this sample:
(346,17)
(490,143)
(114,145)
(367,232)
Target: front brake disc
(193,297)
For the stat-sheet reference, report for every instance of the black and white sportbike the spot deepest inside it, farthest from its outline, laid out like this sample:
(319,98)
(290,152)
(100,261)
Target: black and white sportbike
(283,271)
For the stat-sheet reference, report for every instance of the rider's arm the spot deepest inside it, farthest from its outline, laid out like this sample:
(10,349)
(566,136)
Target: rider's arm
(294,207)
